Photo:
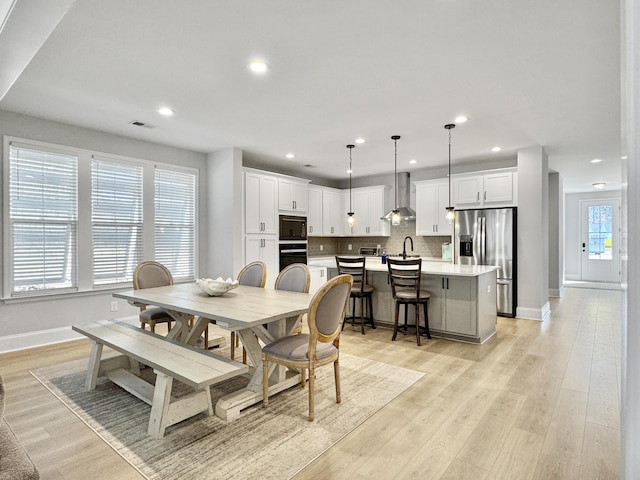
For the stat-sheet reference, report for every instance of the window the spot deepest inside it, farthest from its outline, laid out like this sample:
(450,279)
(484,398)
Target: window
(175,228)
(600,232)
(116,218)
(43,227)
(77,220)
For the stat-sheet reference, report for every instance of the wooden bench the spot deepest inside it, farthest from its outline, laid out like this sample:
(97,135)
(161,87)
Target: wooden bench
(169,359)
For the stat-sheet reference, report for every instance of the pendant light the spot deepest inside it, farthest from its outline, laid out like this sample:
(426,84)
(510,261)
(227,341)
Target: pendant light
(350,219)
(451,216)
(394,215)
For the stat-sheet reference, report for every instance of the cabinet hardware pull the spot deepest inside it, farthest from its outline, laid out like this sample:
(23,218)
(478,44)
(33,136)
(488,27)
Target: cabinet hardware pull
(485,195)
(477,196)
(443,283)
(447,283)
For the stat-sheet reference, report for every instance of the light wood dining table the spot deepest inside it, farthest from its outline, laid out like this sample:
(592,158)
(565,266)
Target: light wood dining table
(253,312)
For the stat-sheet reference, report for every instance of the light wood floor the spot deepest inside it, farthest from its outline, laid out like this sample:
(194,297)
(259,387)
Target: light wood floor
(538,401)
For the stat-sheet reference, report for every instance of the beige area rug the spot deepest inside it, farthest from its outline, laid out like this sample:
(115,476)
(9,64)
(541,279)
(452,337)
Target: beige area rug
(272,443)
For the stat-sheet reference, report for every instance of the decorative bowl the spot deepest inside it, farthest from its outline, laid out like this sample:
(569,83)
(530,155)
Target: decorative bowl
(217,287)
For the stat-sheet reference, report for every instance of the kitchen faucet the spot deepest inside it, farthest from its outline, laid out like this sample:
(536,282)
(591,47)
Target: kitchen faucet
(404,246)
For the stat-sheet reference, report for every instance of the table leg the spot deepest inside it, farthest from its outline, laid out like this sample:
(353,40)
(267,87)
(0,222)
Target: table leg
(94,365)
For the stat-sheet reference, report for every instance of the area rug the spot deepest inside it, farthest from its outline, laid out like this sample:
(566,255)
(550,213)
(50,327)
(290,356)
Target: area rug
(272,443)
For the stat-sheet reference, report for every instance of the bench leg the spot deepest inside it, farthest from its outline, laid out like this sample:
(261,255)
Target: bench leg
(94,365)
(160,407)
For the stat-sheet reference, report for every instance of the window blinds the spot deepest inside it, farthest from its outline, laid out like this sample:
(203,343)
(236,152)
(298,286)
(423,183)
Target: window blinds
(116,218)
(175,228)
(43,218)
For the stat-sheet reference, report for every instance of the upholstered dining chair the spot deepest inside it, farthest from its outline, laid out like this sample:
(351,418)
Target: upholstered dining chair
(253,274)
(355,266)
(148,275)
(405,287)
(321,346)
(294,278)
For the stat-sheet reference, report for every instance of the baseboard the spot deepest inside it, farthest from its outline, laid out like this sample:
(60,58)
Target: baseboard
(40,338)
(557,292)
(540,314)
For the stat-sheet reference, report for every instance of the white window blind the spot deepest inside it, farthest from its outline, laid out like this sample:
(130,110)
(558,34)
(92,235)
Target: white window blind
(43,214)
(175,227)
(116,216)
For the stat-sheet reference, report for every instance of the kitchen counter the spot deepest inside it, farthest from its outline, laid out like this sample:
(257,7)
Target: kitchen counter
(463,297)
(430,266)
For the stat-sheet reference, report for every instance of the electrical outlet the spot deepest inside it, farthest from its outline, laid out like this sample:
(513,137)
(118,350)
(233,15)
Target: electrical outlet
(114,305)
(321,247)
(349,247)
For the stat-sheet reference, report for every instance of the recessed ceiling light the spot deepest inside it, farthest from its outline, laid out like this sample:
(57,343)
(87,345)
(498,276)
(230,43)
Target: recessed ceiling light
(413,161)
(258,66)
(624,157)
(496,149)
(461,119)
(359,140)
(166,111)
(599,185)
(596,160)
(349,170)
(290,156)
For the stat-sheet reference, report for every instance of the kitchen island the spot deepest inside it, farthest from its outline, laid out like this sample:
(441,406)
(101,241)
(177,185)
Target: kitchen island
(463,297)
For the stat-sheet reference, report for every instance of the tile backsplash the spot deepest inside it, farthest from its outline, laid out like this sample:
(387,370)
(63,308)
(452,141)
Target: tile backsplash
(423,246)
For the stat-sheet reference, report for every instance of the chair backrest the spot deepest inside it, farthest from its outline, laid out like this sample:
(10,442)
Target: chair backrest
(354,266)
(294,278)
(404,274)
(326,311)
(151,274)
(253,274)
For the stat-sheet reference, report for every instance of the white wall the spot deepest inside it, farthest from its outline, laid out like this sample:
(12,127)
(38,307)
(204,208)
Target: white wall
(556,235)
(533,234)
(573,237)
(630,406)
(27,322)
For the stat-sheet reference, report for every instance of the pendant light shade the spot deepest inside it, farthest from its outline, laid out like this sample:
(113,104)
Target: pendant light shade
(398,214)
(451,215)
(350,219)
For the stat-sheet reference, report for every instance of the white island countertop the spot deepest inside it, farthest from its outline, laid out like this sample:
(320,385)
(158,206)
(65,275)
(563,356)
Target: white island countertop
(429,266)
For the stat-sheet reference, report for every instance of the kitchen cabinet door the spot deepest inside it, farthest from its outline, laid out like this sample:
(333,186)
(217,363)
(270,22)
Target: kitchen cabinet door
(292,195)
(499,189)
(260,211)
(369,204)
(332,219)
(467,191)
(434,284)
(486,189)
(318,278)
(432,198)
(314,215)
(460,315)
(265,249)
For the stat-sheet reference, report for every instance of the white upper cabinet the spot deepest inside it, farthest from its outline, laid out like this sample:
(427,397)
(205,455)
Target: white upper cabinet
(314,215)
(292,195)
(332,218)
(432,198)
(369,204)
(489,189)
(260,212)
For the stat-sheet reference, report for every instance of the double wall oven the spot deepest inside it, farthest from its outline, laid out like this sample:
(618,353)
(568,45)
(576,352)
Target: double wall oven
(293,240)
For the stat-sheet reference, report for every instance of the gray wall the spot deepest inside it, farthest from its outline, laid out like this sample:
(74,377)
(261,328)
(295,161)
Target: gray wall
(556,235)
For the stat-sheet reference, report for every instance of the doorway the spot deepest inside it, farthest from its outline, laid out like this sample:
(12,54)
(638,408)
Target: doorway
(600,240)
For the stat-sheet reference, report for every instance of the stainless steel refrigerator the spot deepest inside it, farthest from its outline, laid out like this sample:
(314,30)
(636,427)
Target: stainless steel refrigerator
(488,237)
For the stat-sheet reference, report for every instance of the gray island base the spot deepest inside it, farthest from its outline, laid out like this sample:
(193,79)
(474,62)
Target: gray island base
(463,298)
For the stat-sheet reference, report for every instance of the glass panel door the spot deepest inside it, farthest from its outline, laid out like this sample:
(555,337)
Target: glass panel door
(600,234)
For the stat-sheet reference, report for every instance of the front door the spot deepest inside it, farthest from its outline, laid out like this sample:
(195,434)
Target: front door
(600,236)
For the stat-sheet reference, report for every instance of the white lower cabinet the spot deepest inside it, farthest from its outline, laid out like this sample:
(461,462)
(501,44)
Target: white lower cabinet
(318,278)
(265,249)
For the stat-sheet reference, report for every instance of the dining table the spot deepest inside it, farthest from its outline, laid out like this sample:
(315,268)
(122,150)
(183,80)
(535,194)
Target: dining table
(255,314)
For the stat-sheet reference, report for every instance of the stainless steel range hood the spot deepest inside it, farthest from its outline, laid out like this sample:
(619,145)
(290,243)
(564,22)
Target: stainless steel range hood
(402,197)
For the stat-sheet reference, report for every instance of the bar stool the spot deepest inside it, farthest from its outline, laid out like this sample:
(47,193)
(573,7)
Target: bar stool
(355,266)
(405,287)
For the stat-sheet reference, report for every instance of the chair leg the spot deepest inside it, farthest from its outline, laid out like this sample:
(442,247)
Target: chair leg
(312,381)
(395,325)
(406,314)
(233,345)
(362,312)
(370,302)
(426,319)
(417,308)
(353,312)
(265,382)
(336,375)
(303,373)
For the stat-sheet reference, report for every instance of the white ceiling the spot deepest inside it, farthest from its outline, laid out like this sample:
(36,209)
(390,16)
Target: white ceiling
(525,73)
